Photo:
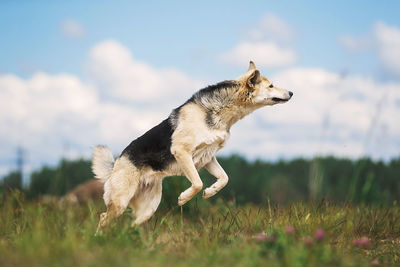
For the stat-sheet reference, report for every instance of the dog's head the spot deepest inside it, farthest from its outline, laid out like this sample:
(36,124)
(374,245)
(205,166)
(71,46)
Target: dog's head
(258,90)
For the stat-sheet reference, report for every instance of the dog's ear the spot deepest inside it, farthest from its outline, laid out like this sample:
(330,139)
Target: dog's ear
(252,66)
(253,79)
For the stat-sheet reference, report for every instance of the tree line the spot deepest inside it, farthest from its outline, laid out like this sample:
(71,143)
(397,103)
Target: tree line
(282,182)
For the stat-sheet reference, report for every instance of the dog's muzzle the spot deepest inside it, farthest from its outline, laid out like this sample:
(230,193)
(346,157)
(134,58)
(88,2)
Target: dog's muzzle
(277,99)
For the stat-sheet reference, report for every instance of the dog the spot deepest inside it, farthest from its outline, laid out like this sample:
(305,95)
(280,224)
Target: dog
(181,145)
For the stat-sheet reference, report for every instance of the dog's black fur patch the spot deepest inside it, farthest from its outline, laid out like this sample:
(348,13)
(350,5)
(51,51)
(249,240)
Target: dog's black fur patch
(152,148)
(210,90)
(215,95)
(209,119)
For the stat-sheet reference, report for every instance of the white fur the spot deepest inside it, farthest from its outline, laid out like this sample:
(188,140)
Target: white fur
(215,169)
(103,162)
(194,145)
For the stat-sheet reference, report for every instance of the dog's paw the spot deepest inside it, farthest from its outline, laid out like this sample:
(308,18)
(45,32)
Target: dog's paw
(182,200)
(209,192)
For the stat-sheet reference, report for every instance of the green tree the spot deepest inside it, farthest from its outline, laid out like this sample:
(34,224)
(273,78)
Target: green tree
(12,181)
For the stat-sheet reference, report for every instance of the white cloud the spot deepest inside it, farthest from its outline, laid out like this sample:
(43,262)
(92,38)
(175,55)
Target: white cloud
(264,54)
(72,29)
(264,44)
(383,41)
(47,112)
(388,46)
(113,70)
(270,27)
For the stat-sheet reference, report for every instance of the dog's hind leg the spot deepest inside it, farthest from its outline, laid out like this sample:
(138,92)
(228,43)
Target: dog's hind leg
(146,200)
(216,170)
(118,191)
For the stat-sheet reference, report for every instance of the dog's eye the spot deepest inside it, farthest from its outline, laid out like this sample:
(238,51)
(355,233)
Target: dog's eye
(271,85)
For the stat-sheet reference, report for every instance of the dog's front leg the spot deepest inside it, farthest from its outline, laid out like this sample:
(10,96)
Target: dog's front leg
(185,161)
(216,170)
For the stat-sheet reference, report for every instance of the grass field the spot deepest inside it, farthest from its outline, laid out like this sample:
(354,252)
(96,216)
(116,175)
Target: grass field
(219,234)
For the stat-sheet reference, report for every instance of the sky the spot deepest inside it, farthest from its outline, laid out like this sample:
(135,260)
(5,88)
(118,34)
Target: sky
(74,74)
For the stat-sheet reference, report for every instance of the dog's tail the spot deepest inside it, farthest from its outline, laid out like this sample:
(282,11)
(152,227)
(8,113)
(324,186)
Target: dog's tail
(103,162)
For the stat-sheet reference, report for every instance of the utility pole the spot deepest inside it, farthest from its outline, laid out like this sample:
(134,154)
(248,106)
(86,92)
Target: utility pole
(20,163)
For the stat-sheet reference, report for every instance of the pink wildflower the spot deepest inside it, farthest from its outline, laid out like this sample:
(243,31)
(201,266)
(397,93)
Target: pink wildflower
(319,234)
(260,237)
(289,230)
(308,241)
(364,241)
(375,262)
(357,242)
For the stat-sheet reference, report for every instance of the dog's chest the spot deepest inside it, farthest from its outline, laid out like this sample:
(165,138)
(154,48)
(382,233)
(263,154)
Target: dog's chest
(207,147)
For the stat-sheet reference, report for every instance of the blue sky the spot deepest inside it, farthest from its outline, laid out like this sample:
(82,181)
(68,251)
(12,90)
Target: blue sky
(139,60)
(173,32)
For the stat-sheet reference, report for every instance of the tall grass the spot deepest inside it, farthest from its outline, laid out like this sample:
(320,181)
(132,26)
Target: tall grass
(219,234)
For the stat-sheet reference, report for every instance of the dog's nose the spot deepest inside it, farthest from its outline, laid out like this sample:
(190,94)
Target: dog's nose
(290,93)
